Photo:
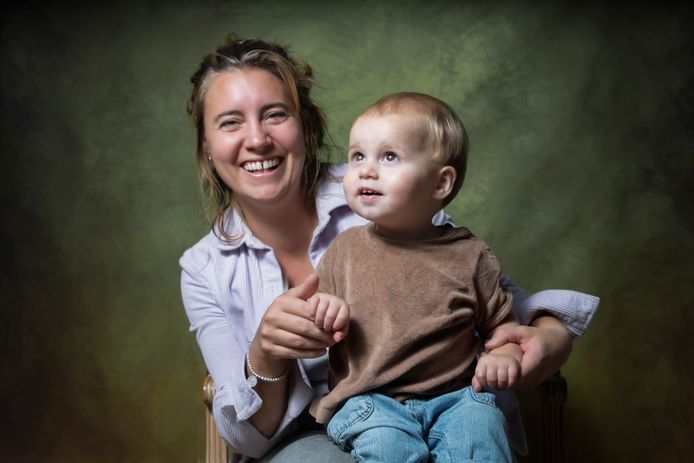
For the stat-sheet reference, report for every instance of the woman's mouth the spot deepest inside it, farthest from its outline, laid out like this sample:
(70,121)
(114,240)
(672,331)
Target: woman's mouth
(259,167)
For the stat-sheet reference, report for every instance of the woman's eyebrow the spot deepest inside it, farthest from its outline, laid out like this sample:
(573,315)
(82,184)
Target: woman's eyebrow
(231,112)
(278,104)
(236,112)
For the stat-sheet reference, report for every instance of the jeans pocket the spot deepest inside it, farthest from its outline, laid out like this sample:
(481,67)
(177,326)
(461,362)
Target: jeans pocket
(355,410)
(486,398)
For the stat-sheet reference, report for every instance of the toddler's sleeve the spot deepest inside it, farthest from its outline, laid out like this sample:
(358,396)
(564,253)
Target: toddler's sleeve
(494,301)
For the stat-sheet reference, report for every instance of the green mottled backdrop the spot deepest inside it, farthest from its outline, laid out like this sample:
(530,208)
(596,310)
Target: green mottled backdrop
(582,128)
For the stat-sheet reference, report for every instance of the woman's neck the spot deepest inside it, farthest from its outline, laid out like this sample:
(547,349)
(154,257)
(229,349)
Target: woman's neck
(286,227)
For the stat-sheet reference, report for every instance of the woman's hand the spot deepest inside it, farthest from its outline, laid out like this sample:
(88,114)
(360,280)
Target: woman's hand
(546,346)
(287,331)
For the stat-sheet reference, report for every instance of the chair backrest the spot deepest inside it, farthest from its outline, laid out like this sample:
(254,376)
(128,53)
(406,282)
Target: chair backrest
(216,450)
(554,392)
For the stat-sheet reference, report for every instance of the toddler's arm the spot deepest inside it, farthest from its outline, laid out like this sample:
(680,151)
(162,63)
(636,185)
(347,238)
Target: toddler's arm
(330,313)
(500,367)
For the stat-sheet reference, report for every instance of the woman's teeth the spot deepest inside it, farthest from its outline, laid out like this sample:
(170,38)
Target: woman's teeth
(255,166)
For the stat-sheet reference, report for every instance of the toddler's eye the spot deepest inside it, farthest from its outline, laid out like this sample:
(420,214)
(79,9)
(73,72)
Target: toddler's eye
(390,157)
(357,157)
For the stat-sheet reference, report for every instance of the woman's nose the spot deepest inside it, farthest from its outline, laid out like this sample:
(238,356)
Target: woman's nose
(257,137)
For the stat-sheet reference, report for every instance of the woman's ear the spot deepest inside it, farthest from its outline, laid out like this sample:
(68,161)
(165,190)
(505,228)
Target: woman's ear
(444,183)
(205,149)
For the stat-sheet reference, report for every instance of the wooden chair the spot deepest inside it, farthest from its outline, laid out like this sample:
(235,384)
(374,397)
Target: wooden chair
(553,392)
(216,450)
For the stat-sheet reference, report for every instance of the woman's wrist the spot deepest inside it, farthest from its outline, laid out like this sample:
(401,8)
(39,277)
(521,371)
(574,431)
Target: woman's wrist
(546,320)
(557,341)
(263,366)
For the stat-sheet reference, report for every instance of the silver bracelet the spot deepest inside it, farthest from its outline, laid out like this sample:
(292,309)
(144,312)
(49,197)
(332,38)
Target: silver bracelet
(254,377)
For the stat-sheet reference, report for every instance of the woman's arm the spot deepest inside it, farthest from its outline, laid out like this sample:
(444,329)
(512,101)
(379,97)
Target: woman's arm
(286,332)
(553,317)
(223,347)
(223,353)
(546,345)
(574,309)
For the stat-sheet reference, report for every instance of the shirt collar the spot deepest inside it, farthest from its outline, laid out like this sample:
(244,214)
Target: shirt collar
(329,197)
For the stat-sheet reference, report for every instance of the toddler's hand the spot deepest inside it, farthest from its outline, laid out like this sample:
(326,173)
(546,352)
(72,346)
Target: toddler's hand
(330,313)
(497,371)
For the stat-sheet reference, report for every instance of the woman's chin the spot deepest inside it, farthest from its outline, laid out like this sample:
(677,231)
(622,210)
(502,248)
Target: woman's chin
(268,195)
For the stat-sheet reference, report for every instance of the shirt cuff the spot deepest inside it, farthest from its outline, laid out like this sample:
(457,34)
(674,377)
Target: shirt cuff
(234,404)
(572,308)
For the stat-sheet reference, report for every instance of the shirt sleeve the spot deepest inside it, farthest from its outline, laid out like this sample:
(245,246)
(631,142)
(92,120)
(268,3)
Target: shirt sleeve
(223,350)
(574,309)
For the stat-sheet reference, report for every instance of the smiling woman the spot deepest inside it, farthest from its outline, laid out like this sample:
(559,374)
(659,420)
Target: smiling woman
(253,138)
(259,135)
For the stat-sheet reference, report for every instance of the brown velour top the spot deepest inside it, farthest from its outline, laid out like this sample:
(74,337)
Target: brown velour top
(415,309)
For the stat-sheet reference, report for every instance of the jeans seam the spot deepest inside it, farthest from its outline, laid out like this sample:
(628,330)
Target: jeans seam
(441,438)
(360,416)
(486,398)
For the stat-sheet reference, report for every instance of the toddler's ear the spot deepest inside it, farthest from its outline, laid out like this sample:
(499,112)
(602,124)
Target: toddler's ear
(444,183)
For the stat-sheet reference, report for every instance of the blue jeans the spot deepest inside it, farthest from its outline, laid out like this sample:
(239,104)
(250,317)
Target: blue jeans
(461,426)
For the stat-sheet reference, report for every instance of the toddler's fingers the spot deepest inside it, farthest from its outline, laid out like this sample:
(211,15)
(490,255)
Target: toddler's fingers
(502,378)
(481,374)
(330,314)
(342,319)
(321,311)
(339,335)
(312,306)
(491,378)
(513,374)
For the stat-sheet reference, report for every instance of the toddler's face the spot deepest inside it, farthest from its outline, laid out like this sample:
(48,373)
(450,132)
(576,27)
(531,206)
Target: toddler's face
(391,175)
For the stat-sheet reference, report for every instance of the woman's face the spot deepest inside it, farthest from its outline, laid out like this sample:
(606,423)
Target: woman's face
(254,137)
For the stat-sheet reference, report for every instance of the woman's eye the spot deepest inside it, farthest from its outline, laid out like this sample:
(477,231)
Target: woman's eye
(276,116)
(229,124)
(390,157)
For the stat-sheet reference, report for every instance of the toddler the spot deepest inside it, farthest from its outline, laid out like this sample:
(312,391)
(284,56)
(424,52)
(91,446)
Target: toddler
(416,301)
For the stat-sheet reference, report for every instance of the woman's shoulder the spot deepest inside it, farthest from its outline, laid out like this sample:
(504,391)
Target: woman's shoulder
(199,255)
(332,177)
(337,171)
(212,246)
(330,195)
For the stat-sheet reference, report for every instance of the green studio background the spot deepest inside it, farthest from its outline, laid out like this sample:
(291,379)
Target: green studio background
(581,121)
